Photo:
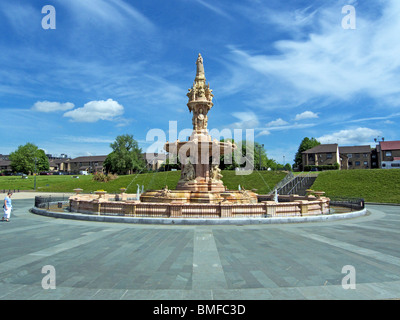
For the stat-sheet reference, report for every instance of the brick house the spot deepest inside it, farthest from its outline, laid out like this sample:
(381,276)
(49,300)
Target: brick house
(355,157)
(5,163)
(154,160)
(321,155)
(90,164)
(389,154)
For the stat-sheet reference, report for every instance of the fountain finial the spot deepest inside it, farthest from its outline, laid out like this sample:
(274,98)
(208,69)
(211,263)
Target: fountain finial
(200,75)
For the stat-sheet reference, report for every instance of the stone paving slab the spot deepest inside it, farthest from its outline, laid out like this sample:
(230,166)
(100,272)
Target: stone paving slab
(119,261)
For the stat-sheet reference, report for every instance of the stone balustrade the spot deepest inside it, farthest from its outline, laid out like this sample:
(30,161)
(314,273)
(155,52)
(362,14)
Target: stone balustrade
(107,205)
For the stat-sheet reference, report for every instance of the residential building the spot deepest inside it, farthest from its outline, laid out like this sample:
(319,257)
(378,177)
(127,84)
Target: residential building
(59,165)
(154,160)
(355,157)
(5,163)
(386,155)
(389,154)
(89,164)
(321,155)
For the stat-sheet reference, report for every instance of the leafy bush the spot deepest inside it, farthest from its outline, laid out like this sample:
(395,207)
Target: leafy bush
(335,166)
(101,177)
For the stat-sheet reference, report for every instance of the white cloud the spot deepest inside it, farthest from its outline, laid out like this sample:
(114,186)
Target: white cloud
(293,20)
(81,139)
(214,8)
(48,106)
(96,110)
(358,136)
(115,13)
(329,62)
(276,123)
(263,133)
(249,120)
(306,115)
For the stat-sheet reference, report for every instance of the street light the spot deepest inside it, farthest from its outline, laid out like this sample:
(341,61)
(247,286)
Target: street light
(34,177)
(259,155)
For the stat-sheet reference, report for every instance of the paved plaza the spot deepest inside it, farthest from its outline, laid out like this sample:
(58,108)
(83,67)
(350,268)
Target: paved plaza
(98,260)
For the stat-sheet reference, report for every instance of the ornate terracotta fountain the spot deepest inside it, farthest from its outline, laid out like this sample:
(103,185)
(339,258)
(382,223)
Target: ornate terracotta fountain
(200,192)
(201,178)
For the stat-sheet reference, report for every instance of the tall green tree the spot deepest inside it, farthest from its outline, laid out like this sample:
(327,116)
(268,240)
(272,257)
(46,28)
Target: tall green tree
(305,144)
(126,156)
(249,156)
(23,159)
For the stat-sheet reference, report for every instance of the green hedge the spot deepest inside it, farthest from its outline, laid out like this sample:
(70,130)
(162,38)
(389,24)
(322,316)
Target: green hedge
(335,166)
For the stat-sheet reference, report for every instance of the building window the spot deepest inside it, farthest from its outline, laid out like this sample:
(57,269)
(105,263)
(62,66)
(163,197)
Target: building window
(365,163)
(349,155)
(388,153)
(350,163)
(357,163)
(365,155)
(329,155)
(357,155)
(395,165)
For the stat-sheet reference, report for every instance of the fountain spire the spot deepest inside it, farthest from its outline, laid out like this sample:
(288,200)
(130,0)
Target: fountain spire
(200,98)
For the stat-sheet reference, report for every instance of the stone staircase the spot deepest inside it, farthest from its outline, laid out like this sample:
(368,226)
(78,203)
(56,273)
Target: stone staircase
(297,184)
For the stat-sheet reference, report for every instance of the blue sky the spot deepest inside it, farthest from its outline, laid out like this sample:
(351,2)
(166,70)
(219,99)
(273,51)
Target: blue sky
(286,70)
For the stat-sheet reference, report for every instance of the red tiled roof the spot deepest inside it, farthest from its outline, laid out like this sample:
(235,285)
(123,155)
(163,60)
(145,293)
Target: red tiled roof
(390,145)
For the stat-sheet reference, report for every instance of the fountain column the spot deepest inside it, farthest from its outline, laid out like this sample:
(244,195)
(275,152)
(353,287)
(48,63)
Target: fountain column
(199,174)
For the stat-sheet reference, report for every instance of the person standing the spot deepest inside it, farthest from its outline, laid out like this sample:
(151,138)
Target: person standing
(7,207)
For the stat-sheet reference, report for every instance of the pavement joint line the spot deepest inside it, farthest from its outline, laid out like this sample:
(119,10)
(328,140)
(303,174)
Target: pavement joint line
(207,267)
(34,256)
(350,247)
(364,291)
(355,225)
(26,228)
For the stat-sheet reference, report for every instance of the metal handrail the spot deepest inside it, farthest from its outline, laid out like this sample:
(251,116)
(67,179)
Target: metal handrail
(281,184)
(308,175)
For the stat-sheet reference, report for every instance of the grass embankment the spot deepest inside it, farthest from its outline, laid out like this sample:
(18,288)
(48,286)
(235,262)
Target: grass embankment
(376,185)
(263,181)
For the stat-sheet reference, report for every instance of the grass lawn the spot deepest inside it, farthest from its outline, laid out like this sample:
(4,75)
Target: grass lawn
(377,185)
(263,181)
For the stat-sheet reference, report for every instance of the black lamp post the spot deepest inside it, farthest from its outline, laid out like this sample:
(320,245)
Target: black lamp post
(259,155)
(34,177)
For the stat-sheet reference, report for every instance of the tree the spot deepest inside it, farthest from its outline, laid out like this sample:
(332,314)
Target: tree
(287,167)
(250,156)
(171,164)
(23,159)
(126,156)
(306,144)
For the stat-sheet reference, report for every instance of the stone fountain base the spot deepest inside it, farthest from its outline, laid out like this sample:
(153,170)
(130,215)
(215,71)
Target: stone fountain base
(189,196)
